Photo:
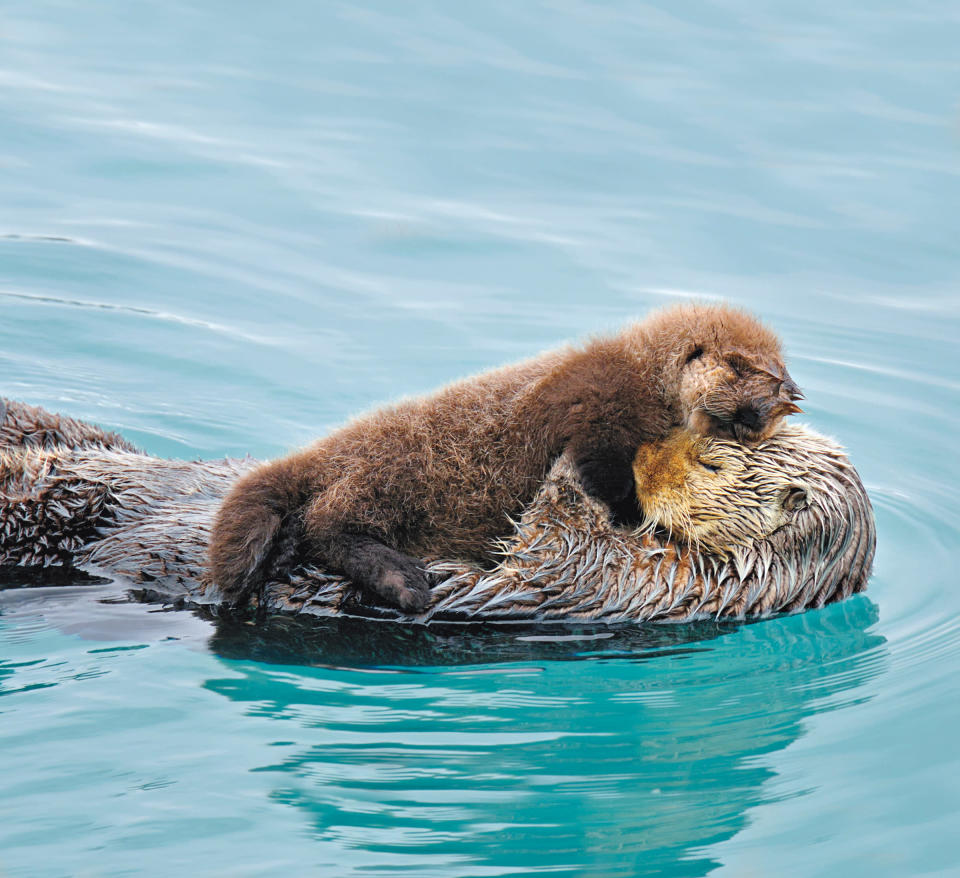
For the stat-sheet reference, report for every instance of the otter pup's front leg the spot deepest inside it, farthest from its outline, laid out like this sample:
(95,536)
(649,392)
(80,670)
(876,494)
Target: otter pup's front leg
(605,472)
(386,573)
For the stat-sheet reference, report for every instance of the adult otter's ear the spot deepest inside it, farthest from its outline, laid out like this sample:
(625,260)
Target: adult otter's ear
(795,498)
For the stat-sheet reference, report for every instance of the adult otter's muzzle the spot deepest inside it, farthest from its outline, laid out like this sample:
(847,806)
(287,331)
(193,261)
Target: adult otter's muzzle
(731,532)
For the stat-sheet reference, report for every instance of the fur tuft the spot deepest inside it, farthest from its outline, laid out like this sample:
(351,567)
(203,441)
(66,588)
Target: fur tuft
(257,528)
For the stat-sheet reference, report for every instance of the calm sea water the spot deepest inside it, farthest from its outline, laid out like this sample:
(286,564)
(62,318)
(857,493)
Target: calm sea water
(224,228)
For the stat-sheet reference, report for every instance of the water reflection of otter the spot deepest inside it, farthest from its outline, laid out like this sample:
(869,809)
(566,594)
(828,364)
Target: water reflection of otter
(794,504)
(632,757)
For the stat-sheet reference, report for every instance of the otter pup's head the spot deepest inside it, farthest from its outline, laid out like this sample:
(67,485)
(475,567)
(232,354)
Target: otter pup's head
(718,495)
(728,370)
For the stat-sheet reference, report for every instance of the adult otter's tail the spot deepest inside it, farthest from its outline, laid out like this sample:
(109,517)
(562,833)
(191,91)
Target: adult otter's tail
(257,528)
(29,426)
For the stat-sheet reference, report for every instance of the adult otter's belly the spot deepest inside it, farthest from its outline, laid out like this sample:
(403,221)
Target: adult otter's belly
(71,494)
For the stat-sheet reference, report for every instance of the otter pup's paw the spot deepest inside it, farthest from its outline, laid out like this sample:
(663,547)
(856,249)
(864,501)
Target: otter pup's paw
(405,585)
(389,575)
(606,475)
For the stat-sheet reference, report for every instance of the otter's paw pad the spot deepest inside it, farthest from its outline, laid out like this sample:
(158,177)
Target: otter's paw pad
(408,589)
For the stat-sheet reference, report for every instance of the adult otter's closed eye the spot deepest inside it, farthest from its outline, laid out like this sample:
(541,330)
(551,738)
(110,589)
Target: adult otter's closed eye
(442,475)
(717,495)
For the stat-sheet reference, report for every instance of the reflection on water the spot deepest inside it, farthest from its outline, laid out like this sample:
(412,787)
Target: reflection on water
(361,643)
(544,766)
(224,229)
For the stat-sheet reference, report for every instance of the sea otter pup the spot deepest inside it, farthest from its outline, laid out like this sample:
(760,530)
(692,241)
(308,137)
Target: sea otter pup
(444,474)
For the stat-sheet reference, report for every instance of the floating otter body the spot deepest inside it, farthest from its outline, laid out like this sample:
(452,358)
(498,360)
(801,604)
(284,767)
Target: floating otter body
(93,503)
(444,474)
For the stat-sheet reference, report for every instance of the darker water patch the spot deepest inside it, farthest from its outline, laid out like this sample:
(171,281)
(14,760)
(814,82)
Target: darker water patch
(365,643)
(47,577)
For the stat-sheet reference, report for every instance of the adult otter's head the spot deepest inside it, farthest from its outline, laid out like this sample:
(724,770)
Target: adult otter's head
(727,368)
(794,497)
(713,493)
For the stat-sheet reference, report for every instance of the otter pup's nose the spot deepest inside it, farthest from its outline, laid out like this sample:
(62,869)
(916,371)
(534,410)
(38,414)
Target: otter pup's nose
(749,417)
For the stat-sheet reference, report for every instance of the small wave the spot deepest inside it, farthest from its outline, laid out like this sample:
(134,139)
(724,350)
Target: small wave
(166,316)
(55,239)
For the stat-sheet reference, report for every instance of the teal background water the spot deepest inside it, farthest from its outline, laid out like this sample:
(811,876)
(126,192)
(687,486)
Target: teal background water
(224,228)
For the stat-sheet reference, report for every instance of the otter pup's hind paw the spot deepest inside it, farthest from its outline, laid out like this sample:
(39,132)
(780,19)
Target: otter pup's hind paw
(407,590)
(394,578)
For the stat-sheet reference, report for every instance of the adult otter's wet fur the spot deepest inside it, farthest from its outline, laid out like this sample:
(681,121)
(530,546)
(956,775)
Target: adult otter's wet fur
(442,475)
(718,495)
(93,503)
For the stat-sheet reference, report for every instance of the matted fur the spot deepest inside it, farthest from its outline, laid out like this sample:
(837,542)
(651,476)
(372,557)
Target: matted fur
(30,426)
(111,510)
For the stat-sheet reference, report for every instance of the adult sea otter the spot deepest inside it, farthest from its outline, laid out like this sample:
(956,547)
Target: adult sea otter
(734,531)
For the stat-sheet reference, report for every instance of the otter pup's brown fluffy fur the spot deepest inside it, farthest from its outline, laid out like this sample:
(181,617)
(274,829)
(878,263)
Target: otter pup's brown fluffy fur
(441,475)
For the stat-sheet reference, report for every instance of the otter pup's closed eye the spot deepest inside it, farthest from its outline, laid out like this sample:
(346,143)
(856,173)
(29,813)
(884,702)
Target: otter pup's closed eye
(444,474)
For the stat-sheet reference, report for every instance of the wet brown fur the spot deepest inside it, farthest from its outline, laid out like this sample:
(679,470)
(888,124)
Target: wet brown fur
(441,475)
(92,504)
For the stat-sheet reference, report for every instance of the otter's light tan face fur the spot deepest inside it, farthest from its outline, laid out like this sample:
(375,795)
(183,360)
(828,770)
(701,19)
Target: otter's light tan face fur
(716,494)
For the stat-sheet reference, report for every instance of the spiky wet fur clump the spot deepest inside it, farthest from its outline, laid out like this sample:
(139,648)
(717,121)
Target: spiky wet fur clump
(111,510)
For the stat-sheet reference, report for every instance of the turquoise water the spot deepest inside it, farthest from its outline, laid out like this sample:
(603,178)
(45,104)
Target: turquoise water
(224,228)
